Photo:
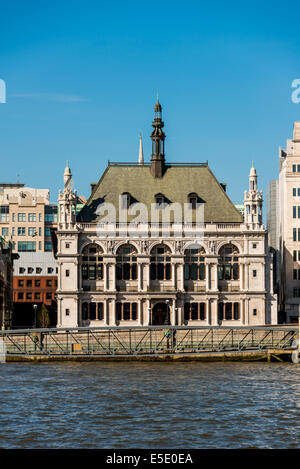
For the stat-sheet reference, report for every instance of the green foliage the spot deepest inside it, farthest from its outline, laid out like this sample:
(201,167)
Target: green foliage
(43,318)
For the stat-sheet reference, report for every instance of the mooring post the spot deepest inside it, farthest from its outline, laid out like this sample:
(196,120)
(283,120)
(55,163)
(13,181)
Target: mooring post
(299,330)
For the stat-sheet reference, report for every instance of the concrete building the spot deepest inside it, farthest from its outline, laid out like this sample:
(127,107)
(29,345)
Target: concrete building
(6,284)
(35,283)
(273,227)
(26,217)
(210,267)
(287,210)
(26,220)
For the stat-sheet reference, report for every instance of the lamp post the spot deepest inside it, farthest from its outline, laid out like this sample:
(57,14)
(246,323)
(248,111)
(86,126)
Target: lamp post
(35,309)
(167,320)
(150,318)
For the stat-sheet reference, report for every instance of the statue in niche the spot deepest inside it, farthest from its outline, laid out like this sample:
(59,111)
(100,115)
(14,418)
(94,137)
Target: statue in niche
(212,247)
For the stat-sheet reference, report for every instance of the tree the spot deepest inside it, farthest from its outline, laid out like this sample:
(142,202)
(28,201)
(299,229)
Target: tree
(43,319)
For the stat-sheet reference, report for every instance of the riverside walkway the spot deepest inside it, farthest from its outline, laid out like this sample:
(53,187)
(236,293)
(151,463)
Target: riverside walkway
(150,342)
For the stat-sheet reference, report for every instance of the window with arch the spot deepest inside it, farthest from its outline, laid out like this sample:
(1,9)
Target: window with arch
(160,263)
(92,311)
(228,263)
(194,264)
(92,263)
(126,267)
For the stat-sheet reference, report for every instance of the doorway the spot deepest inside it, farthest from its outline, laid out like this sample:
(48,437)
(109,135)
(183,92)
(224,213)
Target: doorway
(160,314)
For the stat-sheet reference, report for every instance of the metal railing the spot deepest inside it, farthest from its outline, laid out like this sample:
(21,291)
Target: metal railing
(142,340)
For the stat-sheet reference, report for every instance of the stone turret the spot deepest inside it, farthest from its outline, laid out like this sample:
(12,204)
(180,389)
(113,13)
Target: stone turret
(253,201)
(67,202)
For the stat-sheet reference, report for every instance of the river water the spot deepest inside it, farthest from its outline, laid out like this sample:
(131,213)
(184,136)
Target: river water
(150,405)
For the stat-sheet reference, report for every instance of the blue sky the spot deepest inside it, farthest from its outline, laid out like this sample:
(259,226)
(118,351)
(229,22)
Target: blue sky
(82,80)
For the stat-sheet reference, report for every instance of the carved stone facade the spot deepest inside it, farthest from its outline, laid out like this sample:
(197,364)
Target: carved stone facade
(227,280)
(223,279)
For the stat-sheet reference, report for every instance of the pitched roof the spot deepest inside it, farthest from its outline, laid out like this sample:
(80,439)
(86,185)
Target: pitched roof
(176,184)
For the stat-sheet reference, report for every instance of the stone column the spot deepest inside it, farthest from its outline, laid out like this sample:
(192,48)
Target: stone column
(147,320)
(214,311)
(114,276)
(106,312)
(147,276)
(242,266)
(246,279)
(180,312)
(113,312)
(180,277)
(106,276)
(173,266)
(140,313)
(172,312)
(140,276)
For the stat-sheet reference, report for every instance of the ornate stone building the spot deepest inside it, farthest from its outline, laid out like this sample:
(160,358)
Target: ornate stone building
(207,266)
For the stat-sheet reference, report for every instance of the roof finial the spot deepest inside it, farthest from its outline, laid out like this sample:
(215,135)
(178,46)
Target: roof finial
(141,155)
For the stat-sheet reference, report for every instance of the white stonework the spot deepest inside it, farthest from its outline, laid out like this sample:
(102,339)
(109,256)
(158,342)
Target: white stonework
(251,286)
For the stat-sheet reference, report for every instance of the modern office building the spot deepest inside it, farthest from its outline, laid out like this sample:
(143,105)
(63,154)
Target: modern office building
(284,225)
(26,220)
(6,283)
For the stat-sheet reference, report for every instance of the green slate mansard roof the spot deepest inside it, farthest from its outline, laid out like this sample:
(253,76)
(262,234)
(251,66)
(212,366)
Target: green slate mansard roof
(177,182)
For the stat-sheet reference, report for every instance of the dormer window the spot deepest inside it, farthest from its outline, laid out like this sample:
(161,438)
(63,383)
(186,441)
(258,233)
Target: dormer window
(160,199)
(126,200)
(193,199)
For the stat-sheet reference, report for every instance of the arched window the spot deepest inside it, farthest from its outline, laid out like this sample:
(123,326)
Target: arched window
(228,263)
(92,311)
(160,266)
(126,263)
(92,263)
(194,264)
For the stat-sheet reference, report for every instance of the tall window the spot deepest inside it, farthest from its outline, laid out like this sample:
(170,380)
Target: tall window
(193,200)
(4,213)
(229,311)
(160,266)
(31,216)
(92,263)
(126,263)
(159,199)
(21,216)
(126,311)
(194,311)
(48,246)
(228,267)
(92,311)
(194,265)
(126,200)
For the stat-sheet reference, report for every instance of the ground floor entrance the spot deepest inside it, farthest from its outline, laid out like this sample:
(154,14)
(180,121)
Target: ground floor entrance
(160,314)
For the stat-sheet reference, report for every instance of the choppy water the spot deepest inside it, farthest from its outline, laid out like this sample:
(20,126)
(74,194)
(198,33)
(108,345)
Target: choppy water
(150,405)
